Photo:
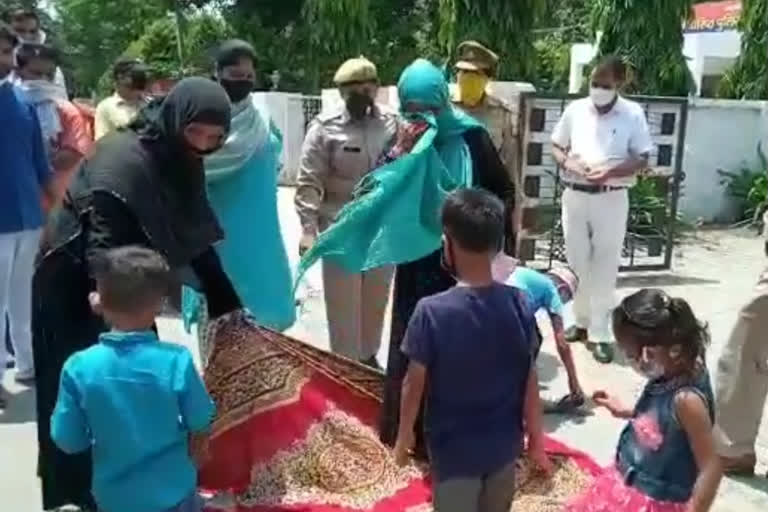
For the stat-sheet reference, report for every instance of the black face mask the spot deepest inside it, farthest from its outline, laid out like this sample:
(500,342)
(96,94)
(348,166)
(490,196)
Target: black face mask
(139,84)
(358,104)
(446,253)
(237,90)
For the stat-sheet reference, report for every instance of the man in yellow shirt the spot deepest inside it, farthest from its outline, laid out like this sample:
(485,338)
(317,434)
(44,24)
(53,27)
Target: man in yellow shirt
(131,80)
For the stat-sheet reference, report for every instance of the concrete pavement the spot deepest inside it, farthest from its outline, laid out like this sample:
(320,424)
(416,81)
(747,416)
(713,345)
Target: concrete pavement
(714,271)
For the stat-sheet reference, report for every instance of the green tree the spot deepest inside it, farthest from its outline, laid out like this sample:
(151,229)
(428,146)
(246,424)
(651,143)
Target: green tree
(306,40)
(748,79)
(649,35)
(564,23)
(158,47)
(505,26)
(95,32)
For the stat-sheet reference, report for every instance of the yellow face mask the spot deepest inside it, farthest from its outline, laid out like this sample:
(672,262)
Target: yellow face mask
(471,87)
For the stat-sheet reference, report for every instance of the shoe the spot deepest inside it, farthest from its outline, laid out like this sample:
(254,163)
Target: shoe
(739,466)
(575,334)
(568,404)
(603,353)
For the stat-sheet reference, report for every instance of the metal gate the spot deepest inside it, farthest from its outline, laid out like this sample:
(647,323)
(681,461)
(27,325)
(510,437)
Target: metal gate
(653,217)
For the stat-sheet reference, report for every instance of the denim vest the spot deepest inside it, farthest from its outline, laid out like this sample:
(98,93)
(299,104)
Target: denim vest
(654,455)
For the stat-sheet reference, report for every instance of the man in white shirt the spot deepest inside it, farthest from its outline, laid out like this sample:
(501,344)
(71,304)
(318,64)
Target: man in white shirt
(116,111)
(600,143)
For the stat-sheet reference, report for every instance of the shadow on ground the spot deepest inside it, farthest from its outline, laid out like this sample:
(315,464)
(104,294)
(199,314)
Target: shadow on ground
(21,407)
(661,280)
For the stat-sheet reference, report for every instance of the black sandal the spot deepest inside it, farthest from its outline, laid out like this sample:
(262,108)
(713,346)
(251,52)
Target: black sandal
(568,404)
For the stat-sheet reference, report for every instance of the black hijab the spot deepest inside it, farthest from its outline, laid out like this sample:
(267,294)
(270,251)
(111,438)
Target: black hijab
(149,167)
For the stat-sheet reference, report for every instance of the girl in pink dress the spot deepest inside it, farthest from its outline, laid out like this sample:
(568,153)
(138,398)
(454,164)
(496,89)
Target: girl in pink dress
(665,459)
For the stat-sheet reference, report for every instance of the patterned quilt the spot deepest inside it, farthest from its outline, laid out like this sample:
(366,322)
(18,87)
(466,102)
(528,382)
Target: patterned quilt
(295,431)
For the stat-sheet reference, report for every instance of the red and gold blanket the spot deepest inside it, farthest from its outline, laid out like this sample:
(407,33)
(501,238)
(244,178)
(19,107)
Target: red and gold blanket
(295,431)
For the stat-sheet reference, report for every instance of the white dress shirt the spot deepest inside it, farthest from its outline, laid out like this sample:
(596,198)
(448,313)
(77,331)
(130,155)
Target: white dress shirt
(603,139)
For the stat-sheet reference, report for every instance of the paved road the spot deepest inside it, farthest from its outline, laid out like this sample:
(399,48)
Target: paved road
(713,272)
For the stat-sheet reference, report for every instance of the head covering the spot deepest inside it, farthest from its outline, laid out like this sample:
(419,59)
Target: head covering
(250,125)
(473,56)
(229,52)
(565,280)
(249,134)
(394,217)
(424,83)
(149,168)
(193,100)
(359,69)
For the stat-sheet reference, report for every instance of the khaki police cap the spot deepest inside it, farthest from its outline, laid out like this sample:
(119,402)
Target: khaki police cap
(473,56)
(356,70)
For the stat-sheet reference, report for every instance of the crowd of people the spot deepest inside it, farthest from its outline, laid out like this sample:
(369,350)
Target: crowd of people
(106,213)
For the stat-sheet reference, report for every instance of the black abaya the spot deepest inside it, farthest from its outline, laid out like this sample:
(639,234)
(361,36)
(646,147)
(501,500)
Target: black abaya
(139,188)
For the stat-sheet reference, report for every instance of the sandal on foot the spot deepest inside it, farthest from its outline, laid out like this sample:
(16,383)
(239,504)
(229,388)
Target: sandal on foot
(566,405)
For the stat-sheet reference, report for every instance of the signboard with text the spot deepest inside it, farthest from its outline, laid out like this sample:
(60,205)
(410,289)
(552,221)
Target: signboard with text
(715,17)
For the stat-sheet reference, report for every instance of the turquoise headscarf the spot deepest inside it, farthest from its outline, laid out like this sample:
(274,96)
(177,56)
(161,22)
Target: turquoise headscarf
(395,216)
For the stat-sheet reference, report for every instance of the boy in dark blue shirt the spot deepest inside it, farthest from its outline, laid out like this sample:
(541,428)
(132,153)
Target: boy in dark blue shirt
(132,399)
(471,348)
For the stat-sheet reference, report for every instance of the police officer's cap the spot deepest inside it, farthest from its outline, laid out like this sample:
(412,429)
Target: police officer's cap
(473,56)
(359,69)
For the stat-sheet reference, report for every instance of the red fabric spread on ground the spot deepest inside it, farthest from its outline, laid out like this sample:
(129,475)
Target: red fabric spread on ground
(295,431)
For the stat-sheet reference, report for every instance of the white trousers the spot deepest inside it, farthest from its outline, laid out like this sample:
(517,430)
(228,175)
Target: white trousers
(594,226)
(17,264)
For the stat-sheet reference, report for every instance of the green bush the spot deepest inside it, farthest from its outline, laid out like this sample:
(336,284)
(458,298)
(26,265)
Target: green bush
(749,187)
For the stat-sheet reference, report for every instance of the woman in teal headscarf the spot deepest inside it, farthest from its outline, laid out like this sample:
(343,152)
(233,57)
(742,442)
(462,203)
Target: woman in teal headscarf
(395,218)
(242,188)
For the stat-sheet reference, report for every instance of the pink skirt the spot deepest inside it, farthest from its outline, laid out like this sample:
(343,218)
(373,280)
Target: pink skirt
(609,493)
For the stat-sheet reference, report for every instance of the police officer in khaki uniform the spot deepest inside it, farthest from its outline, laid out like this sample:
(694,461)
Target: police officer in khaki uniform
(340,148)
(741,381)
(475,68)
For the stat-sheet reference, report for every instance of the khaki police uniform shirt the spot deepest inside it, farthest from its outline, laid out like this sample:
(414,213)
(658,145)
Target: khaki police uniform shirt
(337,152)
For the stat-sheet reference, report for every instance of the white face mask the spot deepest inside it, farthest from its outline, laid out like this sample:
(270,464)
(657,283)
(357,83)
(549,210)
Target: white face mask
(646,366)
(601,97)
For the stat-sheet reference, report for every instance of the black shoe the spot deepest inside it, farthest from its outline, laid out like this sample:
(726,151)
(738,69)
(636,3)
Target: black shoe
(603,353)
(575,334)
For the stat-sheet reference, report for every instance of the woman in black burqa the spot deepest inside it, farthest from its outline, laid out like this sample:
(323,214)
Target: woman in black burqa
(145,186)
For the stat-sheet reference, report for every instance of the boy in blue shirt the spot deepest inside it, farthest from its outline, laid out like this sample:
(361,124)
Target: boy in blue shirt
(131,399)
(543,294)
(471,348)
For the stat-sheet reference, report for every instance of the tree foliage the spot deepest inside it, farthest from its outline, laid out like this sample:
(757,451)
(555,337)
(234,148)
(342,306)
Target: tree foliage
(505,26)
(95,32)
(748,79)
(649,35)
(564,23)
(158,47)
